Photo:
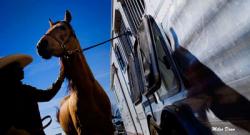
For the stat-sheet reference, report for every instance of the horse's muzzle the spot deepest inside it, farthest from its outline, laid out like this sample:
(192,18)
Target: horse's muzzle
(42,49)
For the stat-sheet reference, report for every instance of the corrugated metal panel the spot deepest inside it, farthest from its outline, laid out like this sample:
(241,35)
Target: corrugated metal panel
(217,32)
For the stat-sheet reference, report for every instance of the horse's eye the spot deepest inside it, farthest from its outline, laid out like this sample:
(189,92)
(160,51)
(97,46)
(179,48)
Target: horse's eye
(62,27)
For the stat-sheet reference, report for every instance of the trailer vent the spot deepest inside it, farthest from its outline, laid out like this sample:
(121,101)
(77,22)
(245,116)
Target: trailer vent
(134,10)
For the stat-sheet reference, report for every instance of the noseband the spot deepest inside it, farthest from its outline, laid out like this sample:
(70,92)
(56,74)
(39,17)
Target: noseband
(66,53)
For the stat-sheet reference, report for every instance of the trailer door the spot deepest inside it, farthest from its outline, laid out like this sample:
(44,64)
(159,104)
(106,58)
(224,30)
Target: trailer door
(147,59)
(158,69)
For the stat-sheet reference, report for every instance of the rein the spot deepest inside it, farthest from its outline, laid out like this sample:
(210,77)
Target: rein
(43,127)
(50,120)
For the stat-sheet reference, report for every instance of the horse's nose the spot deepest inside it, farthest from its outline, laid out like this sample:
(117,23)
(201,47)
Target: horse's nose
(43,44)
(42,48)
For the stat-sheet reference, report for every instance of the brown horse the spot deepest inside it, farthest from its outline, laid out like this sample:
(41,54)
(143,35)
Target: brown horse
(87,109)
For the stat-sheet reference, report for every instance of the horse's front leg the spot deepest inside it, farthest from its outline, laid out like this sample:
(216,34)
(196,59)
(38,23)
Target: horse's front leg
(74,115)
(78,126)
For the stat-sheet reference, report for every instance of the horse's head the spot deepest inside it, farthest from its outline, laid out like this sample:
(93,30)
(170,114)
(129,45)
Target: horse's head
(58,40)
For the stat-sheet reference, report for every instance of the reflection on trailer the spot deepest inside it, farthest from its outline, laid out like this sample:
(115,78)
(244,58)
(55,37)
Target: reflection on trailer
(185,68)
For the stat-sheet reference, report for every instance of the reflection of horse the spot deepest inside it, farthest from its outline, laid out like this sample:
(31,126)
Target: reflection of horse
(87,109)
(207,91)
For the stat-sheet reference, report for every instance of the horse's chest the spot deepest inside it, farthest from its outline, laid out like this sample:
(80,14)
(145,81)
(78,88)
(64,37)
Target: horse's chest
(81,105)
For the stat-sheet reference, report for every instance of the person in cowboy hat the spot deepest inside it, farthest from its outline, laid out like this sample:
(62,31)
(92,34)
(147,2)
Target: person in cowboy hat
(18,101)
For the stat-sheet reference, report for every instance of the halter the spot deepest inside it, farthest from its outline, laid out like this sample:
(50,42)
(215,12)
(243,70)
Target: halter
(66,53)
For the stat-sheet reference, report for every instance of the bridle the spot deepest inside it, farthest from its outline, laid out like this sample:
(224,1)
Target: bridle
(63,44)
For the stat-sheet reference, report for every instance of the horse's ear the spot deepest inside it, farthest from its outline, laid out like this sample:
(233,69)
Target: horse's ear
(67,16)
(50,22)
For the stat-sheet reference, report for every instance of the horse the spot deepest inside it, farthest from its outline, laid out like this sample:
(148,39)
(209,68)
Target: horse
(87,109)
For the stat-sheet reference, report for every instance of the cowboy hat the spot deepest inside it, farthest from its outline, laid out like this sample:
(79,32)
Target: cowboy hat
(22,59)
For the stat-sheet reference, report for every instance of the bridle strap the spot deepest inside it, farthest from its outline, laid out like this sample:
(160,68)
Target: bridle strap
(61,43)
(66,53)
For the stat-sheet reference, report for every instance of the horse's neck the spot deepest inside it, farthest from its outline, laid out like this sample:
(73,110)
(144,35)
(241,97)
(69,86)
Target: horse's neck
(78,71)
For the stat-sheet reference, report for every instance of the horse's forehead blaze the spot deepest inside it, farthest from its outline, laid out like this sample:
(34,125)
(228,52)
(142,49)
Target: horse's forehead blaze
(50,29)
(54,26)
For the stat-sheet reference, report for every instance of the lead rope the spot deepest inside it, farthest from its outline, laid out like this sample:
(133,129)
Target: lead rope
(70,52)
(50,121)
(38,130)
(93,46)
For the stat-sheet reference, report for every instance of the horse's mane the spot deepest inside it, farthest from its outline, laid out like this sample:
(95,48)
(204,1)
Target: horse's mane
(70,84)
(65,63)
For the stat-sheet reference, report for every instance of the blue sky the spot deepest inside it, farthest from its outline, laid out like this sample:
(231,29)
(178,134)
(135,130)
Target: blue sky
(23,22)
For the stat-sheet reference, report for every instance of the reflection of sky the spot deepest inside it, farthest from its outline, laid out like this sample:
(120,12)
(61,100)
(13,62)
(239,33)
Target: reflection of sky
(24,22)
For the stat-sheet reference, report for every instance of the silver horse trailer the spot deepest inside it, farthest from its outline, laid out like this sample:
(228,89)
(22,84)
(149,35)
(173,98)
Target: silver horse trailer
(185,68)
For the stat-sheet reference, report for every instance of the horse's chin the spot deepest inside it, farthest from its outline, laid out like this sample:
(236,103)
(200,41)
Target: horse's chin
(45,56)
(49,56)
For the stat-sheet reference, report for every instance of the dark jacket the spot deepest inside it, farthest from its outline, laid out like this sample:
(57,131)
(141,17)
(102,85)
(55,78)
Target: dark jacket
(19,103)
